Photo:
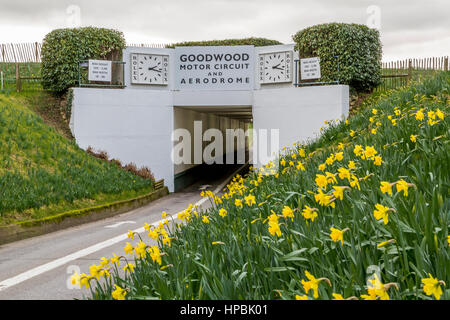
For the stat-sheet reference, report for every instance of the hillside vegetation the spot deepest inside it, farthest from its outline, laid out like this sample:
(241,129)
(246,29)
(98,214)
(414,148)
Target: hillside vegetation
(363,212)
(42,172)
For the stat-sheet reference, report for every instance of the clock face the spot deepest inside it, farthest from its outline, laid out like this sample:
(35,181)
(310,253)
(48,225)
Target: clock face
(149,69)
(275,67)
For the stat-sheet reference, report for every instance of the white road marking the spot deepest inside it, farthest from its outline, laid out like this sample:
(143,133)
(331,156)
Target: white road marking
(120,223)
(89,250)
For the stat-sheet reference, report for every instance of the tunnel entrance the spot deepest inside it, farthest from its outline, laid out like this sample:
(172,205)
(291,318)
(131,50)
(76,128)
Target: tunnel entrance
(210,143)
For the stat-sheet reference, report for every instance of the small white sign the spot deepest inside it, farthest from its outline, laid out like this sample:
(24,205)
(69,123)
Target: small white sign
(310,68)
(99,70)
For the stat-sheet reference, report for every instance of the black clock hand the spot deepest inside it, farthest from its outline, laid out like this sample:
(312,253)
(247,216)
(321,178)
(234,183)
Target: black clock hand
(276,67)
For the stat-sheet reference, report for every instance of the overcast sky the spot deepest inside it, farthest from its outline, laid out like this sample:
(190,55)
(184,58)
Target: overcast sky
(409,28)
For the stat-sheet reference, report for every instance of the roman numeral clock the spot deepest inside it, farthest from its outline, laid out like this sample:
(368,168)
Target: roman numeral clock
(275,67)
(149,69)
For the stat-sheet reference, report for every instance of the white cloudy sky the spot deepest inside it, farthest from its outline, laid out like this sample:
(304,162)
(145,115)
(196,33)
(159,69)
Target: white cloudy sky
(409,28)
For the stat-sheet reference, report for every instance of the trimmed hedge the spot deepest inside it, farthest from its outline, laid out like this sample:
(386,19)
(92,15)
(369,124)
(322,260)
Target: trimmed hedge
(62,50)
(257,42)
(356,47)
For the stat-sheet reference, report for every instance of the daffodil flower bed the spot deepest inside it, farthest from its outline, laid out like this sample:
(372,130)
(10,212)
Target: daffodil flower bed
(360,213)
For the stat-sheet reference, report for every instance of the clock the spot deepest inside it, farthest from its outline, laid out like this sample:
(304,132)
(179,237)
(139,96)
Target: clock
(149,69)
(275,67)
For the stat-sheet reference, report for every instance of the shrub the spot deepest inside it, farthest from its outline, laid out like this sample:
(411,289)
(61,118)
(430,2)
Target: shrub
(62,50)
(355,47)
(257,42)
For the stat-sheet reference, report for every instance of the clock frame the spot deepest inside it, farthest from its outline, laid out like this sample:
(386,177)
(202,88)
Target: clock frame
(149,68)
(275,67)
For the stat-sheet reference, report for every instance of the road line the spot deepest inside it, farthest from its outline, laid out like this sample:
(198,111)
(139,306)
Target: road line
(120,223)
(89,250)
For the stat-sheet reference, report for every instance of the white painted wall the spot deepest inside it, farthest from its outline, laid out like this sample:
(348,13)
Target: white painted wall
(299,113)
(131,125)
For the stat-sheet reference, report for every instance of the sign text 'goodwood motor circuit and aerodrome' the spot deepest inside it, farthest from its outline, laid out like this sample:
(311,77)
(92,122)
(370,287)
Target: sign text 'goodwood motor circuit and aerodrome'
(214,68)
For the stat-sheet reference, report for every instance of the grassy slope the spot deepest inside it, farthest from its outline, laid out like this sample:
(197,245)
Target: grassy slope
(42,172)
(237,257)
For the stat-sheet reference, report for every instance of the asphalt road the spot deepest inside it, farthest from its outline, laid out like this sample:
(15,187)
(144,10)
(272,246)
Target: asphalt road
(41,267)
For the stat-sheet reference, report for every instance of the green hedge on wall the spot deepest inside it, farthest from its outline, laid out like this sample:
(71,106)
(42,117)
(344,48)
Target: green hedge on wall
(356,47)
(257,42)
(62,50)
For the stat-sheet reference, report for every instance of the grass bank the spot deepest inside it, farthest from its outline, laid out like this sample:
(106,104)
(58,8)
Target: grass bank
(43,171)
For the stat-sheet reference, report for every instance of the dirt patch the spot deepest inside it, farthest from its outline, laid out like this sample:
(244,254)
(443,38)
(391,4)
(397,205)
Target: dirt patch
(52,110)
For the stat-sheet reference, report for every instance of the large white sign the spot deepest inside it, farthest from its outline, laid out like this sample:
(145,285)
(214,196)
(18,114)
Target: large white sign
(310,68)
(99,70)
(214,68)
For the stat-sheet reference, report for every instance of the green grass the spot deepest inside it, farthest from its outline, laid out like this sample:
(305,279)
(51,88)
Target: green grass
(238,257)
(28,69)
(43,172)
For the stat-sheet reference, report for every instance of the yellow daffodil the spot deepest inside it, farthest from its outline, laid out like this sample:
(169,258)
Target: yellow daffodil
(432,286)
(324,199)
(130,234)
(377,160)
(331,178)
(373,131)
(238,203)
(321,181)
(386,187)
(440,114)
(283,162)
(351,165)
(338,235)
(330,160)
(300,166)
(128,248)
(129,267)
(402,185)
(358,150)
(339,156)
(309,213)
(337,296)
(119,293)
(385,243)
(250,200)
(370,152)
(303,297)
(419,115)
(274,227)
(374,111)
(85,280)
(301,153)
(75,279)
(340,146)
(223,212)
(205,219)
(338,192)
(352,133)
(288,212)
(381,212)
(155,254)
(413,138)
(322,167)
(313,284)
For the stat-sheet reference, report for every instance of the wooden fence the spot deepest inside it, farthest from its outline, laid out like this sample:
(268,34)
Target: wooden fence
(31,52)
(398,73)
(20,52)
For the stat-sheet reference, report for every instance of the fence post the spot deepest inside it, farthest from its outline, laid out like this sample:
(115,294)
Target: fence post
(446,64)
(36,51)
(409,71)
(18,84)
